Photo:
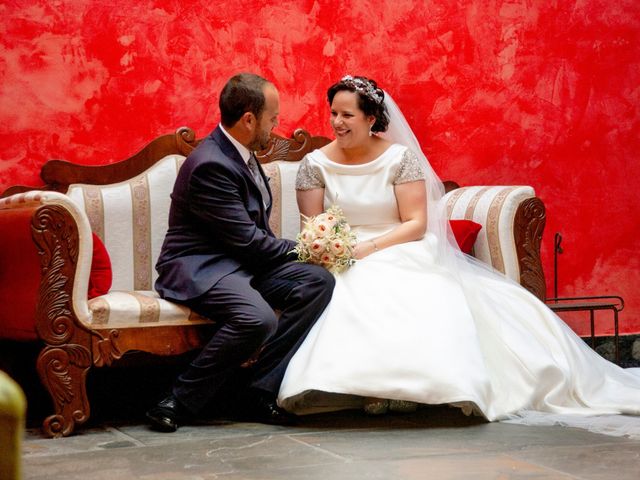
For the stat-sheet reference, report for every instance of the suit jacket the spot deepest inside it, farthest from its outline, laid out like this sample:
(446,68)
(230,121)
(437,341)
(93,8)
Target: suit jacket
(217,223)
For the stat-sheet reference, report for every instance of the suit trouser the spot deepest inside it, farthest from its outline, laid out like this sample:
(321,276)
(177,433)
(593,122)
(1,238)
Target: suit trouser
(243,304)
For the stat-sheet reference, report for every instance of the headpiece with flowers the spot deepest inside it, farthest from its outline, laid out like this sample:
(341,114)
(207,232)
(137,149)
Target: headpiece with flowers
(365,87)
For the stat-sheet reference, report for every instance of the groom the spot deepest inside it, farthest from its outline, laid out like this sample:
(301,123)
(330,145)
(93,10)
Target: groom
(221,259)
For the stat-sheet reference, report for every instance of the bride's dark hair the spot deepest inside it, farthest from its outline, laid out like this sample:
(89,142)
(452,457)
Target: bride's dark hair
(370,98)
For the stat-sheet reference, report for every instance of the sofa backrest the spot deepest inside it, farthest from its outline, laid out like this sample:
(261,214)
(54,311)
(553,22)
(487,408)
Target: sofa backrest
(131,218)
(494,207)
(285,216)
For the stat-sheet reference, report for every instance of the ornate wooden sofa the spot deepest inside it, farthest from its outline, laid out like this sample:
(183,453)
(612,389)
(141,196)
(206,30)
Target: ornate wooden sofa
(46,248)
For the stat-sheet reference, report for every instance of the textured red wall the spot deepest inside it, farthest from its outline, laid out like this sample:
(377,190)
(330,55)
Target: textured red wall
(541,92)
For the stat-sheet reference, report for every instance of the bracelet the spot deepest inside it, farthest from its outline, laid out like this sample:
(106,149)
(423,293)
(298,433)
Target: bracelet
(375,247)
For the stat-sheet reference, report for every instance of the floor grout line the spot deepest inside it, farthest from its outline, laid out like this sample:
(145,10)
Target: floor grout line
(319,449)
(123,435)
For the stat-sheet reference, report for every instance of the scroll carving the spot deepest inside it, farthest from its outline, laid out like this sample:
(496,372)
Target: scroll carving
(62,371)
(278,150)
(291,149)
(186,140)
(304,139)
(528,228)
(108,350)
(57,243)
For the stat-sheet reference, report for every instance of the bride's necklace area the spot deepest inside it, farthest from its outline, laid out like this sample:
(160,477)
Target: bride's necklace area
(361,155)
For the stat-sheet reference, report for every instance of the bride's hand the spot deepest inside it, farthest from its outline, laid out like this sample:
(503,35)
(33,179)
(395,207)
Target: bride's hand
(364,249)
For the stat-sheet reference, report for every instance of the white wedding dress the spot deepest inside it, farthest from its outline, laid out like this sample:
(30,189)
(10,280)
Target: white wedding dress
(401,325)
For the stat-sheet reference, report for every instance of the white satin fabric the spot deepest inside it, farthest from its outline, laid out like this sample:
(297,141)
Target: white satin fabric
(402,326)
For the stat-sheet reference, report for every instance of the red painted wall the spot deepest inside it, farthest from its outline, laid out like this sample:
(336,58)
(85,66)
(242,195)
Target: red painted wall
(541,92)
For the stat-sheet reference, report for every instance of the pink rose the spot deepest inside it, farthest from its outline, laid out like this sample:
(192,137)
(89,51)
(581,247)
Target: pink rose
(306,237)
(321,228)
(337,246)
(317,247)
(327,258)
(330,219)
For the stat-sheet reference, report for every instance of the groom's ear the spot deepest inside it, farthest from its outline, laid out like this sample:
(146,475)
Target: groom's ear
(248,121)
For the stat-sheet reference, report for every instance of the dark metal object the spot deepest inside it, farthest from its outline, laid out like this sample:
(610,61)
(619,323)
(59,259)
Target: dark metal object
(589,304)
(557,250)
(614,303)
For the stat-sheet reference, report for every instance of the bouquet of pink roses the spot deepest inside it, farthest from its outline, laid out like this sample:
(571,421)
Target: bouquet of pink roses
(327,240)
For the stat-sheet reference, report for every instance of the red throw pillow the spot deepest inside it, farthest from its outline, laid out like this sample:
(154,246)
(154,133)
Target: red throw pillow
(465,232)
(101,275)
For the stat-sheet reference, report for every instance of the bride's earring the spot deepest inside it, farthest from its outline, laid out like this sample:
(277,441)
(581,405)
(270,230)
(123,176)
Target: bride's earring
(370,132)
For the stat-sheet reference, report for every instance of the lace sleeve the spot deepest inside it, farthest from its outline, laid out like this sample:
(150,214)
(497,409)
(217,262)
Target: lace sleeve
(410,169)
(308,177)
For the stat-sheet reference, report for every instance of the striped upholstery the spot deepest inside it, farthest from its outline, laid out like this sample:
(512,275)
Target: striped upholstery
(131,219)
(285,216)
(138,308)
(495,208)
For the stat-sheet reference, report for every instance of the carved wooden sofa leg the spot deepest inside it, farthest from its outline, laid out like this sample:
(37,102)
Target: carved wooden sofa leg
(63,372)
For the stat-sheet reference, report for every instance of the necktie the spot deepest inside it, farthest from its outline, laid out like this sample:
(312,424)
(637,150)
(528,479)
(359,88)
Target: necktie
(255,171)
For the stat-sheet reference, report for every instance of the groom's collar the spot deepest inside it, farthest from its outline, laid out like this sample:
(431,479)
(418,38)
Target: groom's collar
(244,152)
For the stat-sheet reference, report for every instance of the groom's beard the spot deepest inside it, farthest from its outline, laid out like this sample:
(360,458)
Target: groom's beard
(261,141)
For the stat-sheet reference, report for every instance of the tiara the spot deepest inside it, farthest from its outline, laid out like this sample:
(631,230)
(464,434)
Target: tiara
(364,87)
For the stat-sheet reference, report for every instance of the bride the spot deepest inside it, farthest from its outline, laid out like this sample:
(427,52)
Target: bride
(415,321)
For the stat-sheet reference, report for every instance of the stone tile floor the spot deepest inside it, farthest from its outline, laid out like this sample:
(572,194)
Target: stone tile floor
(432,443)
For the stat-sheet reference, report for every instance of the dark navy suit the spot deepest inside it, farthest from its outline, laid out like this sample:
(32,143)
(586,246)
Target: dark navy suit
(221,259)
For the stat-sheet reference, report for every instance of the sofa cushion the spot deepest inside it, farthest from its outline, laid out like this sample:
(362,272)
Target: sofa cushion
(465,232)
(122,309)
(101,276)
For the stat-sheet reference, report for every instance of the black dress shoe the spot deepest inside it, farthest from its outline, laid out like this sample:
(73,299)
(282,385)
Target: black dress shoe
(265,410)
(166,415)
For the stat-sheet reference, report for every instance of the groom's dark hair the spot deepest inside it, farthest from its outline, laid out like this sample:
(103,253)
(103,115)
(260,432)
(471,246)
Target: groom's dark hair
(242,93)
(370,98)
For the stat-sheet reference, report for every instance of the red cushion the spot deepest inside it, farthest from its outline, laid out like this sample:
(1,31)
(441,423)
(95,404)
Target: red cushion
(465,232)
(19,275)
(101,275)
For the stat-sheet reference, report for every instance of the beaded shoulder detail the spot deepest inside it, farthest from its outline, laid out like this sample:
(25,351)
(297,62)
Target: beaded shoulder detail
(308,176)
(410,169)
